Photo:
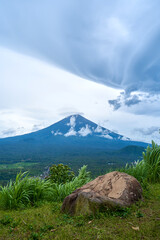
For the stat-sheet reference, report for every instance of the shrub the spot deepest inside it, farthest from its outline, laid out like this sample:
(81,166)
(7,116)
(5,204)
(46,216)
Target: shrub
(63,190)
(60,174)
(149,168)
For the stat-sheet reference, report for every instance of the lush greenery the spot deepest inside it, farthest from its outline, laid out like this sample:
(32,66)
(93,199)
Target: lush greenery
(60,173)
(36,203)
(28,191)
(142,221)
(147,170)
(99,160)
(62,190)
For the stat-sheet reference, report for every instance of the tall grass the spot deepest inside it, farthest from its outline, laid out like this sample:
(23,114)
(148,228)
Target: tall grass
(27,191)
(63,190)
(24,191)
(149,168)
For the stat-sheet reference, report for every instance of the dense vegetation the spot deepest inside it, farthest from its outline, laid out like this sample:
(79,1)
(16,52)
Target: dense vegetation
(147,170)
(99,161)
(28,191)
(46,221)
(61,181)
(37,204)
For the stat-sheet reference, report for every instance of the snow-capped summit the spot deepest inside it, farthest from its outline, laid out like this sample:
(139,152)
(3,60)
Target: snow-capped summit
(71,135)
(76,125)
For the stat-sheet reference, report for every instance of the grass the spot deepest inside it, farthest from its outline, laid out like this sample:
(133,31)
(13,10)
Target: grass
(24,191)
(147,170)
(34,208)
(28,191)
(142,221)
(19,165)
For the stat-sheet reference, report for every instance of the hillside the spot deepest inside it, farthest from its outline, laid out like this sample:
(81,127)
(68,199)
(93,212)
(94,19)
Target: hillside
(142,221)
(73,141)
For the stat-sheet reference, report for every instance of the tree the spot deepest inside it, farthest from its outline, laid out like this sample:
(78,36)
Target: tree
(60,173)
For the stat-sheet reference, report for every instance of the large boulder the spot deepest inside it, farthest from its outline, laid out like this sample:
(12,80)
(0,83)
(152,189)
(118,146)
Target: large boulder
(115,189)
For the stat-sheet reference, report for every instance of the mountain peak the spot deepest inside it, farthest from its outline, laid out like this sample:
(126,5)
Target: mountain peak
(78,126)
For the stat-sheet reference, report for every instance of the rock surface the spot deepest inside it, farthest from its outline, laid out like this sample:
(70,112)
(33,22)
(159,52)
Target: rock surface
(112,190)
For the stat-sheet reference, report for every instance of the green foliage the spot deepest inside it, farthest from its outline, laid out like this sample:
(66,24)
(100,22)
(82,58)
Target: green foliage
(147,170)
(34,236)
(139,214)
(6,220)
(28,191)
(24,191)
(60,191)
(47,222)
(60,174)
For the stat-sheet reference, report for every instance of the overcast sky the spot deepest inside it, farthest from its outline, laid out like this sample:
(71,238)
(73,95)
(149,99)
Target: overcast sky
(95,57)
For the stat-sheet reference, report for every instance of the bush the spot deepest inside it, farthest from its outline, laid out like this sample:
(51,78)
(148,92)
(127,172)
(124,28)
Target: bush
(149,168)
(60,174)
(63,190)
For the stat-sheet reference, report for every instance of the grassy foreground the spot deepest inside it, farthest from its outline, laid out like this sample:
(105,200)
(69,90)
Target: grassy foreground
(142,221)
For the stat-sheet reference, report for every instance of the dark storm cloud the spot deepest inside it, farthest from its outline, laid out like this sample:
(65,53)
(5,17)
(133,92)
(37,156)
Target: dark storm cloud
(132,100)
(125,100)
(116,104)
(113,43)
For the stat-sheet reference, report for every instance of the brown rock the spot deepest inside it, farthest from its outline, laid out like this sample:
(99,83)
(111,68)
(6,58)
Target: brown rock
(112,190)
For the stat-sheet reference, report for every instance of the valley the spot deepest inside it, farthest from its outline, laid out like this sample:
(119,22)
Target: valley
(74,141)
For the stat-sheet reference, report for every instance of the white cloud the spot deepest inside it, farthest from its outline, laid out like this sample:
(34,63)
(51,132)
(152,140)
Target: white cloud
(125,138)
(71,132)
(107,136)
(84,131)
(72,122)
(56,133)
(98,129)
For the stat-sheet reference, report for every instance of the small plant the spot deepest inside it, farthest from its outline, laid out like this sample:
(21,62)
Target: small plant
(139,214)
(6,220)
(34,236)
(60,174)
(46,228)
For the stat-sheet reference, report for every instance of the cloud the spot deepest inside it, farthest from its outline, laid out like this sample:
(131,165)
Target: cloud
(116,104)
(138,103)
(132,100)
(71,132)
(37,127)
(107,136)
(9,132)
(98,129)
(56,133)
(125,138)
(118,46)
(85,131)
(72,122)
(148,131)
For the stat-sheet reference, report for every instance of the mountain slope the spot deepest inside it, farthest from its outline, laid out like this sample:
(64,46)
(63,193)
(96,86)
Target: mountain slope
(73,141)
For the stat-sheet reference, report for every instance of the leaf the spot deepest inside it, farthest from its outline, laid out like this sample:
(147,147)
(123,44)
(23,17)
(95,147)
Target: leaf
(89,222)
(135,228)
